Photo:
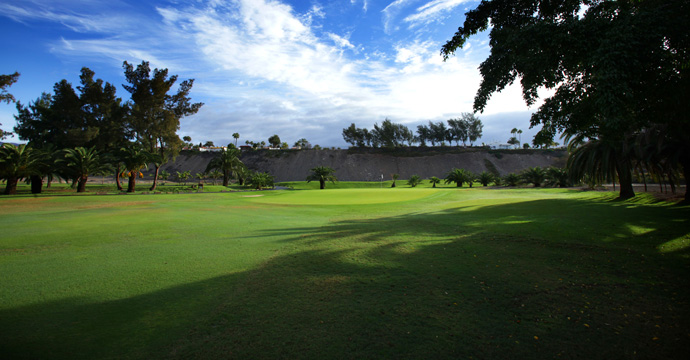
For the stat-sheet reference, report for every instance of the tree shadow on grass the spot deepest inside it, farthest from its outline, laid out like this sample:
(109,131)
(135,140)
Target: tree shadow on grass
(538,279)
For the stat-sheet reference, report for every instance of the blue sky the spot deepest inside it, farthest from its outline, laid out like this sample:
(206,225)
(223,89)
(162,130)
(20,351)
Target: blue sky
(263,67)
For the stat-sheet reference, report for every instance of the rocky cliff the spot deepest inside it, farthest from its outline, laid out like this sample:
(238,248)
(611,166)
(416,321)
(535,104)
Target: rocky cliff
(370,164)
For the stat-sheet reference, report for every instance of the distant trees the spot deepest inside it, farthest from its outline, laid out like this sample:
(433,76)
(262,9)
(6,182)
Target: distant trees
(390,134)
(236,136)
(322,174)
(302,144)
(274,141)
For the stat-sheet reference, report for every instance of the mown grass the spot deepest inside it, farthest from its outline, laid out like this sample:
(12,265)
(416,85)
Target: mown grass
(345,273)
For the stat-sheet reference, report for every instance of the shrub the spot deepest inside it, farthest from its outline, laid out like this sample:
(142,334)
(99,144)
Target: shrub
(535,176)
(414,180)
(485,178)
(511,179)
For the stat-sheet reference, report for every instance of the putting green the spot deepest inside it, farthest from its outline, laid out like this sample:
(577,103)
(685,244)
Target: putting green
(346,196)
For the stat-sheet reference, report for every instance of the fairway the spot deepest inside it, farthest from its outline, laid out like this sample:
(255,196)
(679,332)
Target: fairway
(345,273)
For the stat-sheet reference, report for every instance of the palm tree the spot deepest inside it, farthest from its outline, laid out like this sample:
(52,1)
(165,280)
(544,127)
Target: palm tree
(511,179)
(17,162)
(458,176)
(414,180)
(163,175)
(534,175)
(215,174)
(133,159)
(228,162)
(322,174)
(80,162)
(183,176)
(261,180)
(236,136)
(394,177)
(434,180)
(557,177)
(485,178)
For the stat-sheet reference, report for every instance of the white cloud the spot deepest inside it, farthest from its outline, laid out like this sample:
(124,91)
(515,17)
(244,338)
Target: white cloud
(432,10)
(261,67)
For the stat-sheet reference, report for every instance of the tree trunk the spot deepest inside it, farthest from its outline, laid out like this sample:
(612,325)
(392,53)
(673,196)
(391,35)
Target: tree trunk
(74,183)
(458,184)
(50,180)
(117,178)
(433,185)
(322,184)
(685,162)
(226,179)
(36,184)
(11,187)
(155,178)
(81,185)
(132,183)
(625,179)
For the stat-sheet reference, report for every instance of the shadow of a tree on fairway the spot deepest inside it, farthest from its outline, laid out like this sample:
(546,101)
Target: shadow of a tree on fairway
(539,279)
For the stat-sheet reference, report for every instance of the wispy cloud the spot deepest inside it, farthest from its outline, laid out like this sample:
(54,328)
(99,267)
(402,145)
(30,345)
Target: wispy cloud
(433,11)
(261,62)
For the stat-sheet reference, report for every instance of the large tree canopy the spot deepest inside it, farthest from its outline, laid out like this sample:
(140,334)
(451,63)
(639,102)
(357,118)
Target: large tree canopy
(155,115)
(617,67)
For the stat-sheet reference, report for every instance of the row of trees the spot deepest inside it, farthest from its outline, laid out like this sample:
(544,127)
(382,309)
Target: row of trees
(93,118)
(390,134)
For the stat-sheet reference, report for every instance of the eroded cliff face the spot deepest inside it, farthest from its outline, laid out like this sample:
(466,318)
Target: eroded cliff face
(370,164)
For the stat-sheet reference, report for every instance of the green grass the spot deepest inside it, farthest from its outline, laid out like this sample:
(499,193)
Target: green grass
(345,273)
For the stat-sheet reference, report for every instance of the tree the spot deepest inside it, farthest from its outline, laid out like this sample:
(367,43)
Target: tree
(458,176)
(81,162)
(302,144)
(616,67)
(187,139)
(511,180)
(209,144)
(535,176)
(16,163)
(424,134)
(183,176)
(215,174)
(414,180)
(164,175)
(514,141)
(228,162)
(485,178)
(274,141)
(459,129)
(155,115)
(261,180)
(557,177)
(475,127)
(236,136)
(5,82)
(394,177)
(434,180)
(134,158)
(322,174)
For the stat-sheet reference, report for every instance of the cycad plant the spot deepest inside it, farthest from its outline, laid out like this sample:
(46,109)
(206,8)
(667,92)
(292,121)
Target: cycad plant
(434,180)
(322,174)
(414,180)
(17,162)
(535,176)
(81,162)
(458,176)
(485,178)
(511,180)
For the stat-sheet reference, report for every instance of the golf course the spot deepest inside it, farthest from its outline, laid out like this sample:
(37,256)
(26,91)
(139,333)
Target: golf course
(355,271)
